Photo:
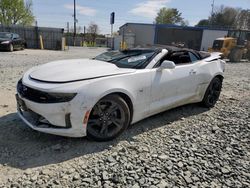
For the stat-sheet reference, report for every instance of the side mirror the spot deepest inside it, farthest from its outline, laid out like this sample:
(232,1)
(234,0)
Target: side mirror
(167,65)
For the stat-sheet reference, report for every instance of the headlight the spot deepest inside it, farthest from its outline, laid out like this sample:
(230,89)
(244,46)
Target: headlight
(5,42)
(43,97)
(60,97)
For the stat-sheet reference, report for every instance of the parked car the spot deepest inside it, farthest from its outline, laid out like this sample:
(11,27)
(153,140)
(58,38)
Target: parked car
(11,42)
(100,97)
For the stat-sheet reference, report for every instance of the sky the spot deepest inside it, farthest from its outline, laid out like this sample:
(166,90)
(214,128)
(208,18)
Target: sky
(56,13)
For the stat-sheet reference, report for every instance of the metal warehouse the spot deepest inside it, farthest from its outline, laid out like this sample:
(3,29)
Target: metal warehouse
(143,35)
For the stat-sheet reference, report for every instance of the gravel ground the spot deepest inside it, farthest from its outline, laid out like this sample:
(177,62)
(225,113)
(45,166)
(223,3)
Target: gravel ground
(189,146)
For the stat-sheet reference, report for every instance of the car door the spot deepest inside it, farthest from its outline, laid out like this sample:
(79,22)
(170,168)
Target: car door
(174,87)
(16,41)
(19,41)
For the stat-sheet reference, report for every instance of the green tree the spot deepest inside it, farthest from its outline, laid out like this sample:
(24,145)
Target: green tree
(169,16)
(224,16)
(228,17)
(93,30)
(16,12)
(204,22)
(243,19)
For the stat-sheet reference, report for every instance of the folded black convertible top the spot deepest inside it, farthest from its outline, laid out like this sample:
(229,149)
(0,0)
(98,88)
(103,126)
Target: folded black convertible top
(204,55)
(171,49)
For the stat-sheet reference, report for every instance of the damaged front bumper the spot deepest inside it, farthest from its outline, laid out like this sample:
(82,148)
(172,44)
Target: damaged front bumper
(54,118)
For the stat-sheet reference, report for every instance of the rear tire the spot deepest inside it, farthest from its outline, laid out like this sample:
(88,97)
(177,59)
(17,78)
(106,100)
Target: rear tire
(23,47)
(212,93)
(236,55)
(248,55)
(108,118)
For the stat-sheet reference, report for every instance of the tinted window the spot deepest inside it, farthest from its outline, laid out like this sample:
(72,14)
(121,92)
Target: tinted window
(5,35)
(16,36)
(193,57)
(218,44)
(180,57)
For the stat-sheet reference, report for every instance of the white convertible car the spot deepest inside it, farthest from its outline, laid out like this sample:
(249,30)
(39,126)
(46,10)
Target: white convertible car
(100,97)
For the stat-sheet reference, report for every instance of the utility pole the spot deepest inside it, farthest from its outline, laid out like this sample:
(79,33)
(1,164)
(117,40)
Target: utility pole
(212,13)
(112,21)
(84,34)
(68,27)
(68,36)
(37,35)
(213,8)
(74,22)
(111,34)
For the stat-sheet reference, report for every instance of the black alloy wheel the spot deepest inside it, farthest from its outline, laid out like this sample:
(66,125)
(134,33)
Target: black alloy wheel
(109,118)
(213,92)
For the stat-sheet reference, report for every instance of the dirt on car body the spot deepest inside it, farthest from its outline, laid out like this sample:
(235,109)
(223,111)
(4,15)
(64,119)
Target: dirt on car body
(187,146)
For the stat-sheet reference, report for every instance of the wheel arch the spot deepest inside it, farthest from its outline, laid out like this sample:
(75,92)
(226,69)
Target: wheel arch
(125,96)
(221,77)
(129,102)
(218,75)
(204,100)
(127,105)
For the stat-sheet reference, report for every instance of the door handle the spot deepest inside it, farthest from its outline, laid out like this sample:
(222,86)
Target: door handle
(192,72)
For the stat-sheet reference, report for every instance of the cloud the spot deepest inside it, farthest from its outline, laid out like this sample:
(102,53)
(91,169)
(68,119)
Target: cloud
(193,22)
(86,11)
(149,8)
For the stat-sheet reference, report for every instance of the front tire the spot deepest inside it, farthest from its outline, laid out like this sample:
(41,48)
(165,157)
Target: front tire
(108,118)
(11,48)
(212,93)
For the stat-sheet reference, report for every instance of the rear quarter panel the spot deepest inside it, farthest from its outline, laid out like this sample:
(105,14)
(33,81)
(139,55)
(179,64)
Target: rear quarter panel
(207,71)
(210,69)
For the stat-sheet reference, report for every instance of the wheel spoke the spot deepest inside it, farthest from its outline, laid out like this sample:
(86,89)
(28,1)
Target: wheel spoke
(216,93)
(210,99)
(94,122)
(98,109)
(117,122)
(211,90)
(107,118)
(112,108)
(104,130)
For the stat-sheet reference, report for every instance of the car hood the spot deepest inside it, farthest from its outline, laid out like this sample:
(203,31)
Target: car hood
(75,70)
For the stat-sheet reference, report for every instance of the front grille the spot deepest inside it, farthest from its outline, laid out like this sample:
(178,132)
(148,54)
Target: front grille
(41,122)
(40,96)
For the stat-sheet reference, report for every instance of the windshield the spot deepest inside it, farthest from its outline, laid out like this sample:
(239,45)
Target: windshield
(128,58)
(218,44)
(5,35)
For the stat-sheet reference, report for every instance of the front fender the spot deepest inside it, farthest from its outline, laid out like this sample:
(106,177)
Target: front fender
(92,100)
